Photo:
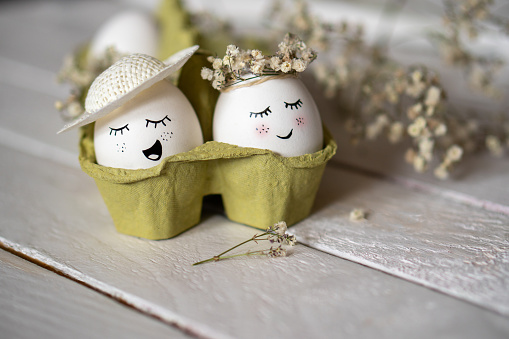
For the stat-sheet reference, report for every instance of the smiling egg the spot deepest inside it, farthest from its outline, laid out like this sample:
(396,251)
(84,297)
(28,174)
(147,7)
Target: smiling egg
(140,117)
(155,124)
(278,114)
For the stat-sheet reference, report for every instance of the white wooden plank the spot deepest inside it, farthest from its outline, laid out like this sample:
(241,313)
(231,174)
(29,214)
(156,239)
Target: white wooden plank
(40,33)
(451,247)
(37,303)
(55,215)
(32,116)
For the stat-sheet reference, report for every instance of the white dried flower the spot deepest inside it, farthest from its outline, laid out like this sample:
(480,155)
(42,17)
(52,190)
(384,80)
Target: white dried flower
(286,67)
(276,252)
(373,130)
(414,111)
(290,240)
(232,50)
(257,67)
(419,164)
(454,153)
(275,63)
(357,214)
(299,65)
(216,84)
(441,172)
(432,96)
(207,73)
(59,105)
(426,148)
(227,60)
(440,130)
(420,122)
(219,75)
(494,145)
(74,109)
(414,130)
(217,63)
(257,54)
(280,227)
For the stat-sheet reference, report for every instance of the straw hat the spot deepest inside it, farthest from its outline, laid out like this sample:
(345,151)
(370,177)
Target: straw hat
(123,80)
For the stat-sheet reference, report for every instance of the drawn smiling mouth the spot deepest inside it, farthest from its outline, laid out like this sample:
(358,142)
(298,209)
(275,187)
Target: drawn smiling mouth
(154,152)
(287,137)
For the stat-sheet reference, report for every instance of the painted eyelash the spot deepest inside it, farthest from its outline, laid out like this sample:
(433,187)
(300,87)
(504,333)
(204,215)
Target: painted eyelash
(296,104)
(121,129)
(157,122)
(265,111)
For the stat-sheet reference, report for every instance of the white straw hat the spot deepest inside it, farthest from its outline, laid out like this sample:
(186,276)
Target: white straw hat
(123,80)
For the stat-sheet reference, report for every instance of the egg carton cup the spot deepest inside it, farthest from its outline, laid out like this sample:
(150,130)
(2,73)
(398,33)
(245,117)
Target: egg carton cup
(258,187)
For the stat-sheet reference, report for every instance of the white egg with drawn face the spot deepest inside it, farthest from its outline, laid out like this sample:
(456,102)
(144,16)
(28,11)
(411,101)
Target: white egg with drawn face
(278,114)
(156,123)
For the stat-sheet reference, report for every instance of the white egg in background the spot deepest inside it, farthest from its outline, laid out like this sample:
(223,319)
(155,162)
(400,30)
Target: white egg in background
(128,32)
(153,125)
(278,114)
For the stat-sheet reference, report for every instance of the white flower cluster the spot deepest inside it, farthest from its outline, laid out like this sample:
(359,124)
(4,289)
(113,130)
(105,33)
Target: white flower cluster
(239,65)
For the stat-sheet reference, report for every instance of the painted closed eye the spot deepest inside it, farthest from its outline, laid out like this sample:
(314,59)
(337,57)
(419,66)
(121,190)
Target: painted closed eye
(157,122)
(261,114)
(295,105)
(121,129)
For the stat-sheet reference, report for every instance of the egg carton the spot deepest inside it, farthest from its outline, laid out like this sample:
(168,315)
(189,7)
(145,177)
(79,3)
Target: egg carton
(258,187)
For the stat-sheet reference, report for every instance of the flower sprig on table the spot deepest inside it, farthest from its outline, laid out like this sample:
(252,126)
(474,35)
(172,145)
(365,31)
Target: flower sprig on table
(238,65)
(276,235)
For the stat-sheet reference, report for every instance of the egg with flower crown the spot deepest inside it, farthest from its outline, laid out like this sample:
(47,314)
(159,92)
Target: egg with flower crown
(140,117)
(263,103)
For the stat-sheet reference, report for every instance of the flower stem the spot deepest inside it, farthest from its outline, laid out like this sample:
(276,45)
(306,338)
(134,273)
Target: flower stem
(220,256)
(217,258)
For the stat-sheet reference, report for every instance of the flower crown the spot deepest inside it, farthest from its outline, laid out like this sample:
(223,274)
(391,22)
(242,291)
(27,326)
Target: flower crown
(241,65)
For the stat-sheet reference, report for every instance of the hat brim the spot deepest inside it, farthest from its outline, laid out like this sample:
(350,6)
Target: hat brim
(175,62)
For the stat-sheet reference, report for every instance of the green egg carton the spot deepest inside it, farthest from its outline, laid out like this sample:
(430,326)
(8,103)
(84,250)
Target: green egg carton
(258,187)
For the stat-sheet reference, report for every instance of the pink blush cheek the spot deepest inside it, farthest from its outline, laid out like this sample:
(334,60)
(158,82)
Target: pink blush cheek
(261,130)
(300,122)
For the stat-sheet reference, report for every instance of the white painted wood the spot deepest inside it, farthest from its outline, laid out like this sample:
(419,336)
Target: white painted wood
(480,179)
(32,115)
(448,246)
(40,33)
(58,218)
(37,303)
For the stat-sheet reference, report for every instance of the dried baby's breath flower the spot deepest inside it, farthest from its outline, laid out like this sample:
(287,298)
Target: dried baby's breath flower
(207,73)
(494,145)
(419,163)
(441,172)
(217,63)
(276,235)
(357,214)
(454,153)
(432,96)
(239,65)
(286,66)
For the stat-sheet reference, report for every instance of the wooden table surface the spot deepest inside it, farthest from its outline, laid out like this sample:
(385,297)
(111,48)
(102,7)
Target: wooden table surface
(431,260)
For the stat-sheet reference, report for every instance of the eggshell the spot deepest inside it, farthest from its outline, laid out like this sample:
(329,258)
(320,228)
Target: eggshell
(278,114)
(128,32)
(155,124)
